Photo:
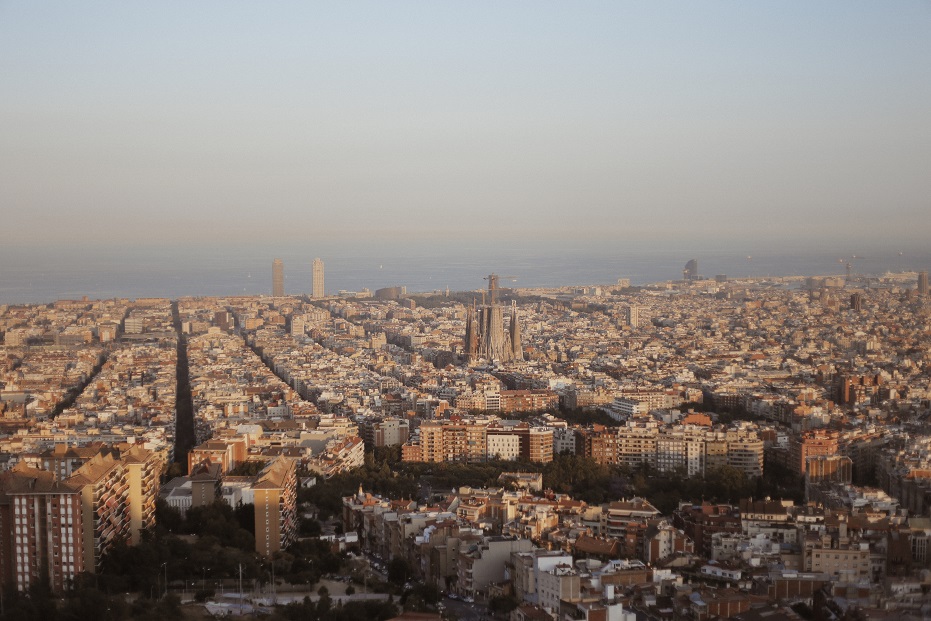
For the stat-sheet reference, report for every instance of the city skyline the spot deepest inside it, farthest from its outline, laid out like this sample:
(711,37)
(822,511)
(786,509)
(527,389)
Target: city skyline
(63,274)
(700,384)
(601,123)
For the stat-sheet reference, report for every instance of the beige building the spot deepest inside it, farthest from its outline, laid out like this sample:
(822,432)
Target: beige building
(277,278)
(484,562)
(144,469)
(104,485)
(275,497)
(557,584)
(848,564)
(40,530)
(318,291)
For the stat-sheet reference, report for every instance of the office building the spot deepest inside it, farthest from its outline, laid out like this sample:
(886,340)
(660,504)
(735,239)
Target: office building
(318,291)
(277,278)
(691,270)
(923,283)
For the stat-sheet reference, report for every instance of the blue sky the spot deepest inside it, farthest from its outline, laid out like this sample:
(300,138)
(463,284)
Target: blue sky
(357,122)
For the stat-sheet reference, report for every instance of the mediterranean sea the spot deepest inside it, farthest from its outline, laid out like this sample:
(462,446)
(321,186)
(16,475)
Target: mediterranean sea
(33,275)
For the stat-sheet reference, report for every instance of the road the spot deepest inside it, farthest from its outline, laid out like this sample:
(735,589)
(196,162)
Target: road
(465,611)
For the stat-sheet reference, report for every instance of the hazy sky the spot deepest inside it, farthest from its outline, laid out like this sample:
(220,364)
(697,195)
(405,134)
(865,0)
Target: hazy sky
(604,121)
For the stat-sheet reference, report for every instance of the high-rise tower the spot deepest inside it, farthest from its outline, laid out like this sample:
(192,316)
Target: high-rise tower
(516,349)
(318,278)
(691,270)
(277,278)
(923,284)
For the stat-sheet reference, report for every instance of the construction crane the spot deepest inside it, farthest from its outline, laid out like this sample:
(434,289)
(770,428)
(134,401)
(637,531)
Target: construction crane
(493,286)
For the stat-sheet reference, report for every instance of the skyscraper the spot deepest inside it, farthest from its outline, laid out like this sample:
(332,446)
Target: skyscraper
(318,278)
(923,283)
(691,270)
(277,278)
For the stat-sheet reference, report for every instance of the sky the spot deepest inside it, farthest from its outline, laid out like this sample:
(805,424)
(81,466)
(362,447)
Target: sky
(354,124)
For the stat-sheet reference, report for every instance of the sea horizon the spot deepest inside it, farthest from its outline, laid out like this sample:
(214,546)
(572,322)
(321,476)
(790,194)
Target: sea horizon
(31,277)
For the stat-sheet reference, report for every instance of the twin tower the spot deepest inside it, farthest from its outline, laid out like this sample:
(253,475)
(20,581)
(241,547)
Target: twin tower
(278,278)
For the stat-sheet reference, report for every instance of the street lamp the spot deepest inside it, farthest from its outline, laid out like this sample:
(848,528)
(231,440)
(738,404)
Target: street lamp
(165,567)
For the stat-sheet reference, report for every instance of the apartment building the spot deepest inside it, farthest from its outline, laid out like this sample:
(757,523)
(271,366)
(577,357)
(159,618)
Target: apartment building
(104,487)
(474,441)
(40,529)
(485,561)
(275,498)
(811,444)
(690,448)
(227,453)
(389,431)
(144,469)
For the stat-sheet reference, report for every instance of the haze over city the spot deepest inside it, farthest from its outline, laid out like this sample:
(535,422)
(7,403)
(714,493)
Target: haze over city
(446,311)
(365,125)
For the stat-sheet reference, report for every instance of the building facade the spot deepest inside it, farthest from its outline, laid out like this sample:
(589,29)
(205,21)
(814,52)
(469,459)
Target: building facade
(275,499)
(41,530)
(318,290)
(277,278)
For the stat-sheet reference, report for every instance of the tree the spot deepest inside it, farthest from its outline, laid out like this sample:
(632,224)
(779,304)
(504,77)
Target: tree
(248,469)
(324,603)
(399,571)
(727,483)
(502,604)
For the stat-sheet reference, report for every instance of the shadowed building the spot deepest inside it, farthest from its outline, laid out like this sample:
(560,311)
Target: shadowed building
(691,270)
(856,302)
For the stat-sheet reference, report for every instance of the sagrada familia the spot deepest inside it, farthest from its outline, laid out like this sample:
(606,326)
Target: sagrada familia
(485,336)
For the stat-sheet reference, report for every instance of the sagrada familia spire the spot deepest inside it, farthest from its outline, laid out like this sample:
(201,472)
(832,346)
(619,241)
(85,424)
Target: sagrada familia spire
(485,336)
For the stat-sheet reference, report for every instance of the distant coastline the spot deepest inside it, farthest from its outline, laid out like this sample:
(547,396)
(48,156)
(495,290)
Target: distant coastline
(41,278)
